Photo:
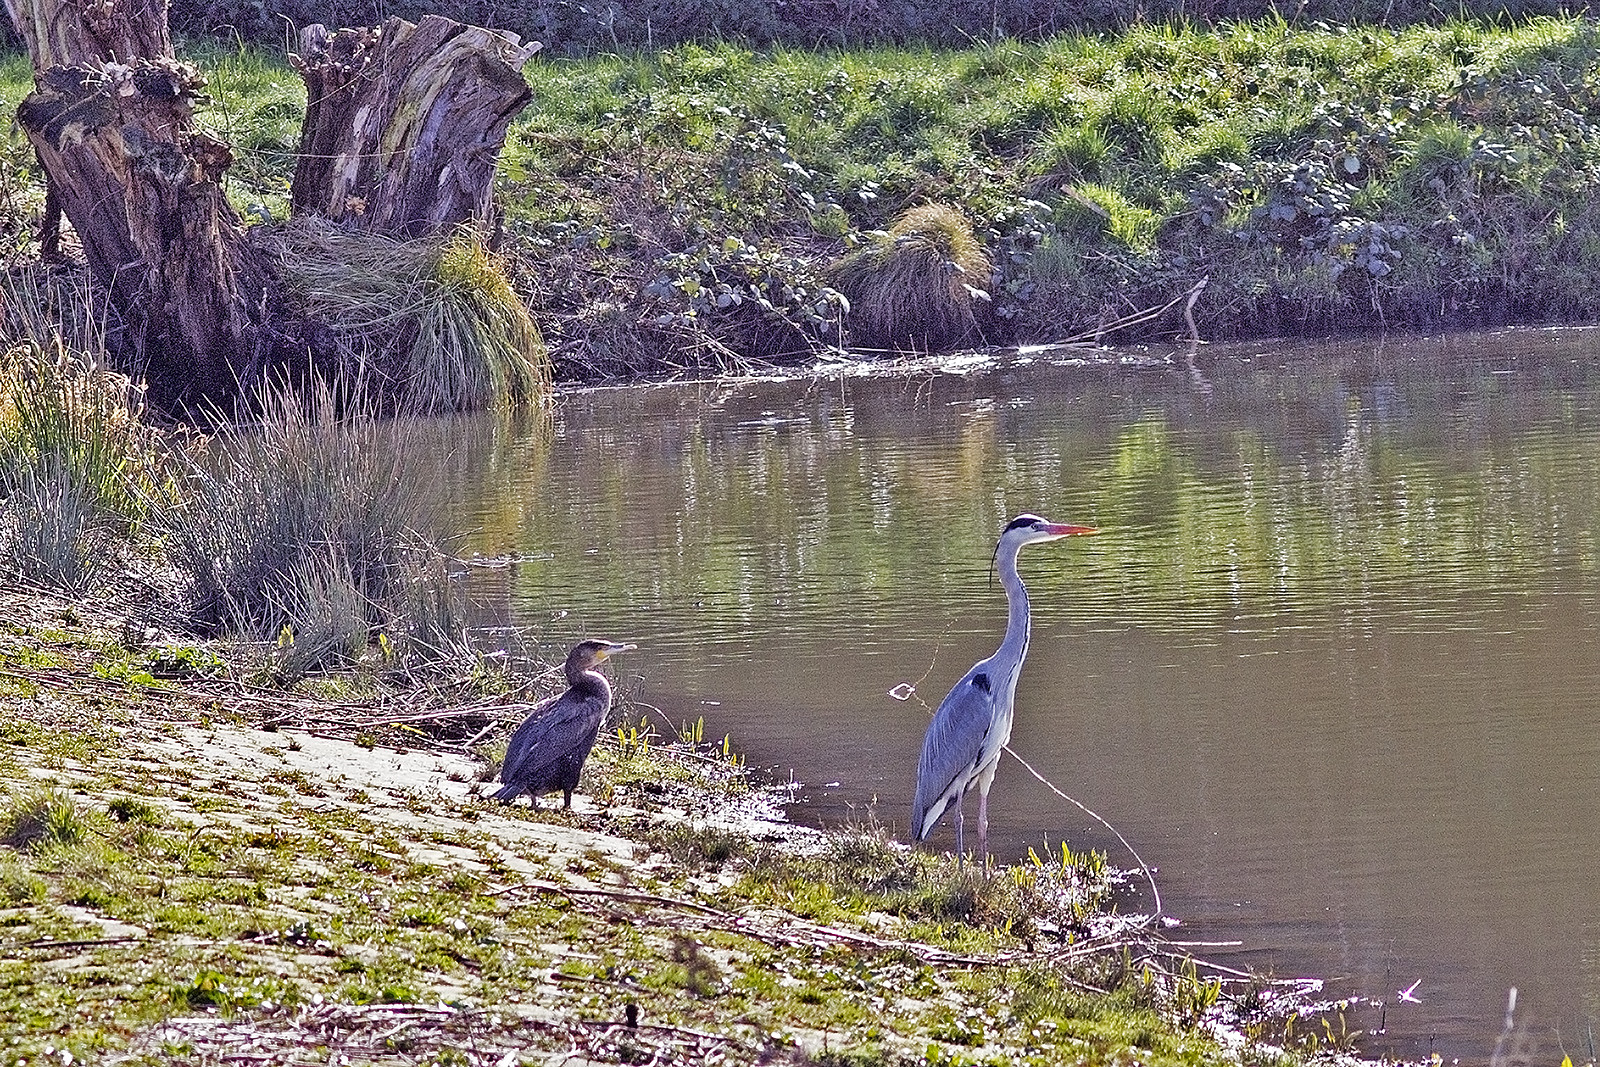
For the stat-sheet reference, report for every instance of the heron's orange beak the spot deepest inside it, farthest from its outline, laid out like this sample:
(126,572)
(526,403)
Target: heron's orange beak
(1063,529)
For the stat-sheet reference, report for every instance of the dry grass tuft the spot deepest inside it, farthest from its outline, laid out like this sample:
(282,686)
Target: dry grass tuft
(426,326)
(918,286)
(77,465)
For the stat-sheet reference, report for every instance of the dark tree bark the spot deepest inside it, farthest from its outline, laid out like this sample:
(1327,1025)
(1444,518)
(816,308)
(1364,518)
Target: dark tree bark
(404,122)
(111,118)
(75,33)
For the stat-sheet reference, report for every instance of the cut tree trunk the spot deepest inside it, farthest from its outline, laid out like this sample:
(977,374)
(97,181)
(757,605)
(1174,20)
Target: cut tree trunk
(405,126)
(142,189)
(111,118)
(404,122)
(76,33)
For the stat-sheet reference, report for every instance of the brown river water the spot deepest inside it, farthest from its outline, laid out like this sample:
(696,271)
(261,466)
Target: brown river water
(1332,666)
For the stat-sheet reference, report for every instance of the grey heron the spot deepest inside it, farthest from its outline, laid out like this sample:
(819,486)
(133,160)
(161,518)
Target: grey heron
(973,724)
(549,749)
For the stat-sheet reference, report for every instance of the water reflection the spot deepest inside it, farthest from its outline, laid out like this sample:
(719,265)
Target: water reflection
(1331,667)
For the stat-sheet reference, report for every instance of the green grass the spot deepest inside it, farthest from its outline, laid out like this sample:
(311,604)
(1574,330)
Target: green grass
(687,206)
(1291,164)
(256,106)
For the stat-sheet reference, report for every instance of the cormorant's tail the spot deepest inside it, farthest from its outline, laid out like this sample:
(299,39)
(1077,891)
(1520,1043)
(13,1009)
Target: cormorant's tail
(508,792)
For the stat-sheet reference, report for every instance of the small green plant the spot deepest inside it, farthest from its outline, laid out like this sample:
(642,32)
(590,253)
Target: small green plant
(633,739)
(692,733)
(128,671)
(1314,1033)
(18,884)
(211,988)
(703,845)
(184,661)
(134,810)
(1193,996)
(42,817)
(701,975)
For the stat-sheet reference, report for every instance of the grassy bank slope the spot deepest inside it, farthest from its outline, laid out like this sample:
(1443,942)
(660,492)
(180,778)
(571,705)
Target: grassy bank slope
(690,206)
(1322,178)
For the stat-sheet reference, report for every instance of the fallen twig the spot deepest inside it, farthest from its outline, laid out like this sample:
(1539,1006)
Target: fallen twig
(42,943)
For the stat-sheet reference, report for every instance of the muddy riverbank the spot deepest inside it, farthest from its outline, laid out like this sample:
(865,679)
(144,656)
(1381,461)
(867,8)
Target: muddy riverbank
(197,869)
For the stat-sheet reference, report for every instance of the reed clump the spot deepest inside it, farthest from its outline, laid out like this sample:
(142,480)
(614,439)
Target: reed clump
(419,327)
(304,530)
(917,286)
(78,465)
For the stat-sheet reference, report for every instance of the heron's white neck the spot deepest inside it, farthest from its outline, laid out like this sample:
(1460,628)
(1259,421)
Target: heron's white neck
(1015,645)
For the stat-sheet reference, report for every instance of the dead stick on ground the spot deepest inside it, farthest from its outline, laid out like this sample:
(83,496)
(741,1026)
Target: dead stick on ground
(42,944)
(661,1028)
(615,894)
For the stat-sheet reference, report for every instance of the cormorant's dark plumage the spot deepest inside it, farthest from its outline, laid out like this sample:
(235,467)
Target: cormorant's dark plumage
(549,749)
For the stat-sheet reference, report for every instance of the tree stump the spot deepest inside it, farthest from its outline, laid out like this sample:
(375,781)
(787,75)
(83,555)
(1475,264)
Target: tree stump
(68,34)
(424,110)
(404,122)
(111,118)
(77,36)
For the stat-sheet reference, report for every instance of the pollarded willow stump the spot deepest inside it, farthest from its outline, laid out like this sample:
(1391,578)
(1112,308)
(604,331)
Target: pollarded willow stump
(75,33)
(404,122)
(405,126)
(142,189)
(84,34)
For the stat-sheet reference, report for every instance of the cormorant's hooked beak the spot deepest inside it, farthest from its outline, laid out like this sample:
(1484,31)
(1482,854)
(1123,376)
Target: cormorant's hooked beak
(612,648)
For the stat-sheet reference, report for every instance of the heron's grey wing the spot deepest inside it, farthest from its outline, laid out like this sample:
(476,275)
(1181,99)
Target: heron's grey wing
(569,723)
(951,748)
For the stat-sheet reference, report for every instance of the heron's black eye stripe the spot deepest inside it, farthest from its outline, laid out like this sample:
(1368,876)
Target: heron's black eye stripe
(981,681)
(1021,521)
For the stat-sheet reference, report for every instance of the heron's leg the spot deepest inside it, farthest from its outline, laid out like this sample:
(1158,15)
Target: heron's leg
(983,826)
(959,820)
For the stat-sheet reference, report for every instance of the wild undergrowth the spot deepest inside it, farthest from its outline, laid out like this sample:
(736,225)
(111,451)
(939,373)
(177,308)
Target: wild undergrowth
(304,531)
(300,533)
(1433,175)
(78,465)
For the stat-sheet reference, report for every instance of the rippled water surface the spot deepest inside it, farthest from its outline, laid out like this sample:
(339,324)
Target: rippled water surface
(1332,666)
